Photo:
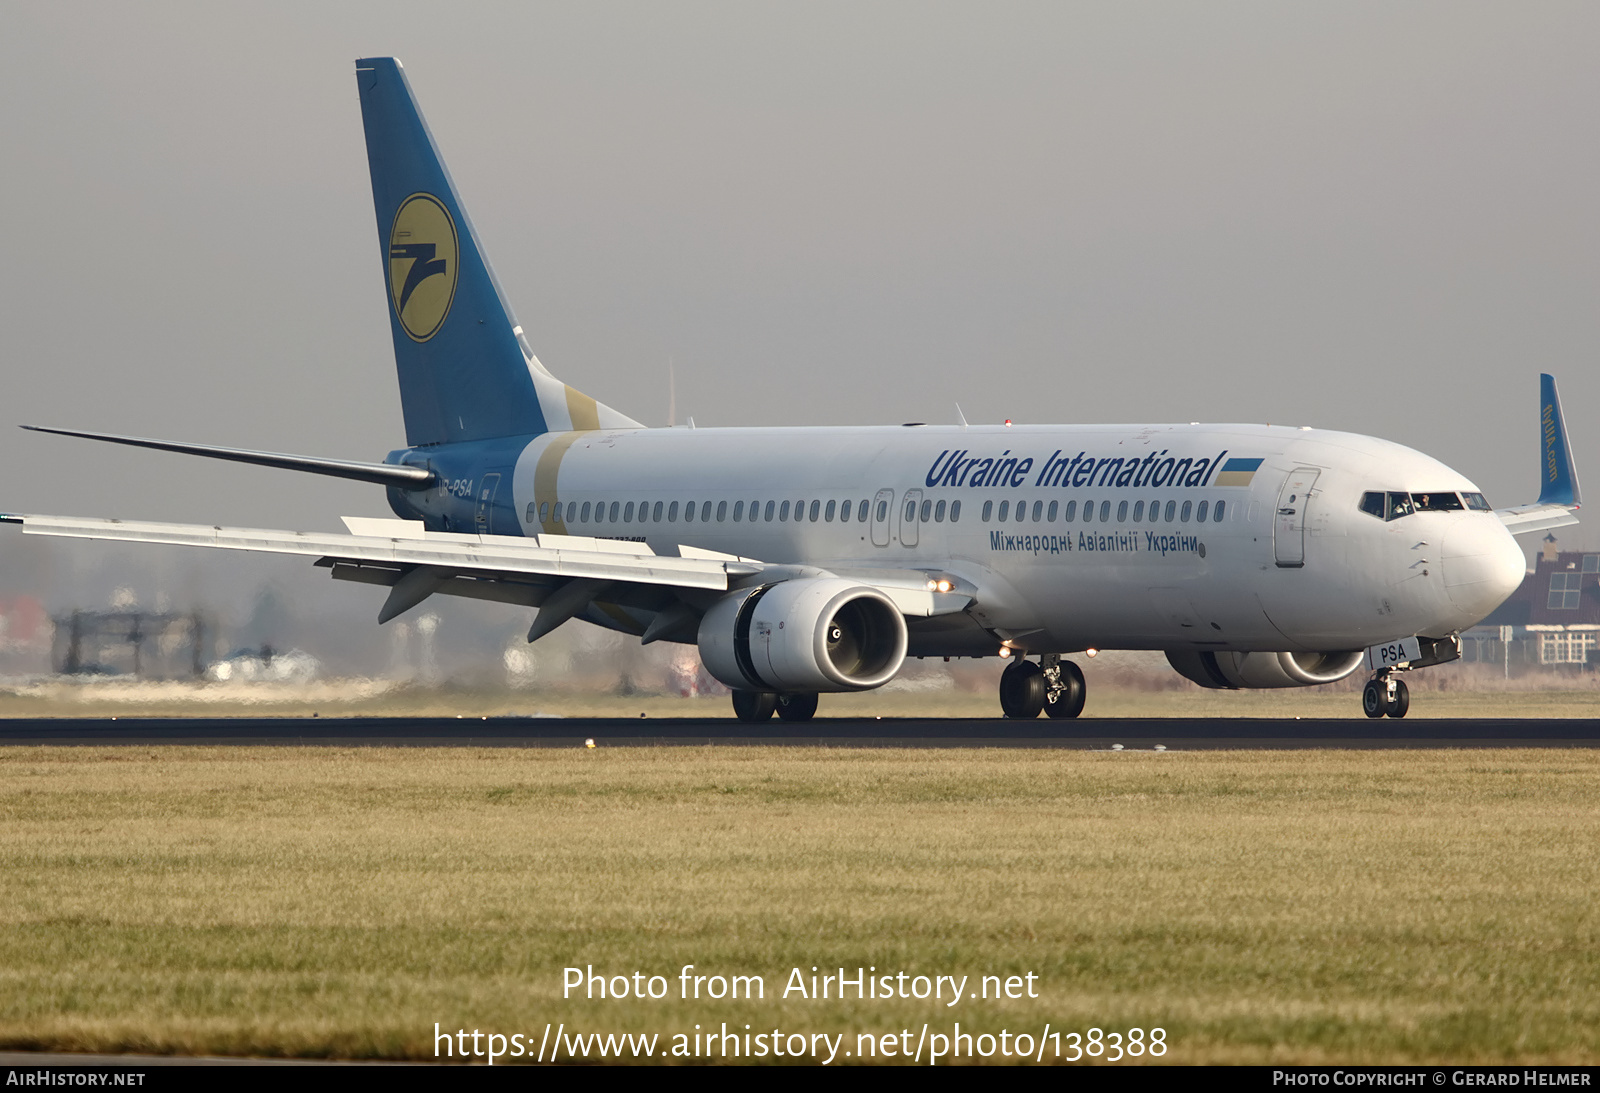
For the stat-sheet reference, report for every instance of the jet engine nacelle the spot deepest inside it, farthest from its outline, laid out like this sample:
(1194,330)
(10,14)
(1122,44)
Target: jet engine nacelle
(804,635)
(1234,670)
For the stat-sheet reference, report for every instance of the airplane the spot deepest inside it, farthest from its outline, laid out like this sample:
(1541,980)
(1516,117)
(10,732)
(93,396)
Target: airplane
(804,561)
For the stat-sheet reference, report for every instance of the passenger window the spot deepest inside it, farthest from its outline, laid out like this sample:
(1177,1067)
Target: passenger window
(627,514)
(911,511)
(861,511)
(572,512)
(1105,512)
(544,511)
(1071,513)
(738,511)
(672,513)
(955,511)
(1399,505)
(783,512)
(1005,510)
(1200,513)
(1050,513)
(927,511)
(844,513)
(938,513)
(1022,511)
(988,510)
(688,513)
(644,511)
(771,505)
(615,507)
(816,510)
(1038,511)
(827,513)
(656,515)
(883,510)
(1138,511)
(1088,512)
(1122,513)
(1184,515)
(1172,507)
(1216,515)
(585,512)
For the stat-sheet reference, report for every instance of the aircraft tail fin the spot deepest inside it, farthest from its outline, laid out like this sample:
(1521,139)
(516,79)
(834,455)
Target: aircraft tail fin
(1558,478)
(466,369)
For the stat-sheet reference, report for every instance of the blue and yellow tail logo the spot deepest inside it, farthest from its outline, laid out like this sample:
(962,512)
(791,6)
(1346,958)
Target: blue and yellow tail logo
(424,255)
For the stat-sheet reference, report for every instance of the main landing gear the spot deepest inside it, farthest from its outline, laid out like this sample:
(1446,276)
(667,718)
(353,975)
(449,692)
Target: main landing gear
(1385,694)
(757,706)
(1053,685)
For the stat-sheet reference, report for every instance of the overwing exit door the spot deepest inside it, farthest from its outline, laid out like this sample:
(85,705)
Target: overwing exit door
(486,491)
(882,514)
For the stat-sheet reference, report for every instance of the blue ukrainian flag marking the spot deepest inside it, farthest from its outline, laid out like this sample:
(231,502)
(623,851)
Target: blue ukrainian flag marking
(1238,472)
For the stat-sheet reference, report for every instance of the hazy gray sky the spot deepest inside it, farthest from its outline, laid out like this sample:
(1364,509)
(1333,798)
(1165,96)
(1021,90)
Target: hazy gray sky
(1377,217)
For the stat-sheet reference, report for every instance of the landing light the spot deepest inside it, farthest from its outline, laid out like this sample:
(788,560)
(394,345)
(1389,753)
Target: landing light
(1005,651)
(1091,652)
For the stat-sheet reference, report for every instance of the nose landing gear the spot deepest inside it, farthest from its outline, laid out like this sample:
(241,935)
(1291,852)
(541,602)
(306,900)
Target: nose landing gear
(1385,694)
(1054,686)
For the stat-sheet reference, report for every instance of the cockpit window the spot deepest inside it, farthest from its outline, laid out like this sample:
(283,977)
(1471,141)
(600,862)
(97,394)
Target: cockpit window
(1392,506)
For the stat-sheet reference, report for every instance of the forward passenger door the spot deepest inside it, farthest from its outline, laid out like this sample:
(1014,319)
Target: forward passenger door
(1289,522)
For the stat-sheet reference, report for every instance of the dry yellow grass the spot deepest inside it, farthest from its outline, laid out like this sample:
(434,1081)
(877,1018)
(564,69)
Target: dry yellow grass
(1260,907)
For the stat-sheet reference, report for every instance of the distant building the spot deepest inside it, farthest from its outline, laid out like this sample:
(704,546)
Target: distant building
(136,643)
(1553,617)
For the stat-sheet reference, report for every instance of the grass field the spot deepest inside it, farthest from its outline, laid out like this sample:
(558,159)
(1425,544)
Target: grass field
(1259,907)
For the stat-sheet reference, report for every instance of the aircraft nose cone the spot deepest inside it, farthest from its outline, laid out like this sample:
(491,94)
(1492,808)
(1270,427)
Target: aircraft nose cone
(1482,565)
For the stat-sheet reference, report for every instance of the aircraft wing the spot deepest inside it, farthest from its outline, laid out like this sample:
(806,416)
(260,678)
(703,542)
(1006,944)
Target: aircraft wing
(1525,518)
(560,574)
(1559,495)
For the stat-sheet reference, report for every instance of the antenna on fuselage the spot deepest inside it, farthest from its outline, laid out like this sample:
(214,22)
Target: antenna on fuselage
(961,419)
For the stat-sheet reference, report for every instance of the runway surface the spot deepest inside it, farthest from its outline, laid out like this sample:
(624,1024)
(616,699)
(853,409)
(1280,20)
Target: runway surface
(1176,734)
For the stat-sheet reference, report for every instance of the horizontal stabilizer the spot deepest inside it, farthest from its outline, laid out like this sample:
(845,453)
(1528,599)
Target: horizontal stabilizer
(383,474)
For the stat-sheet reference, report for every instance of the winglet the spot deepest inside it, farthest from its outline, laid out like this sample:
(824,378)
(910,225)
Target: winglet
(1558,479)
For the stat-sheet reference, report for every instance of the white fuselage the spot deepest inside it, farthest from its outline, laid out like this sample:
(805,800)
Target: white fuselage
(1061,553)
